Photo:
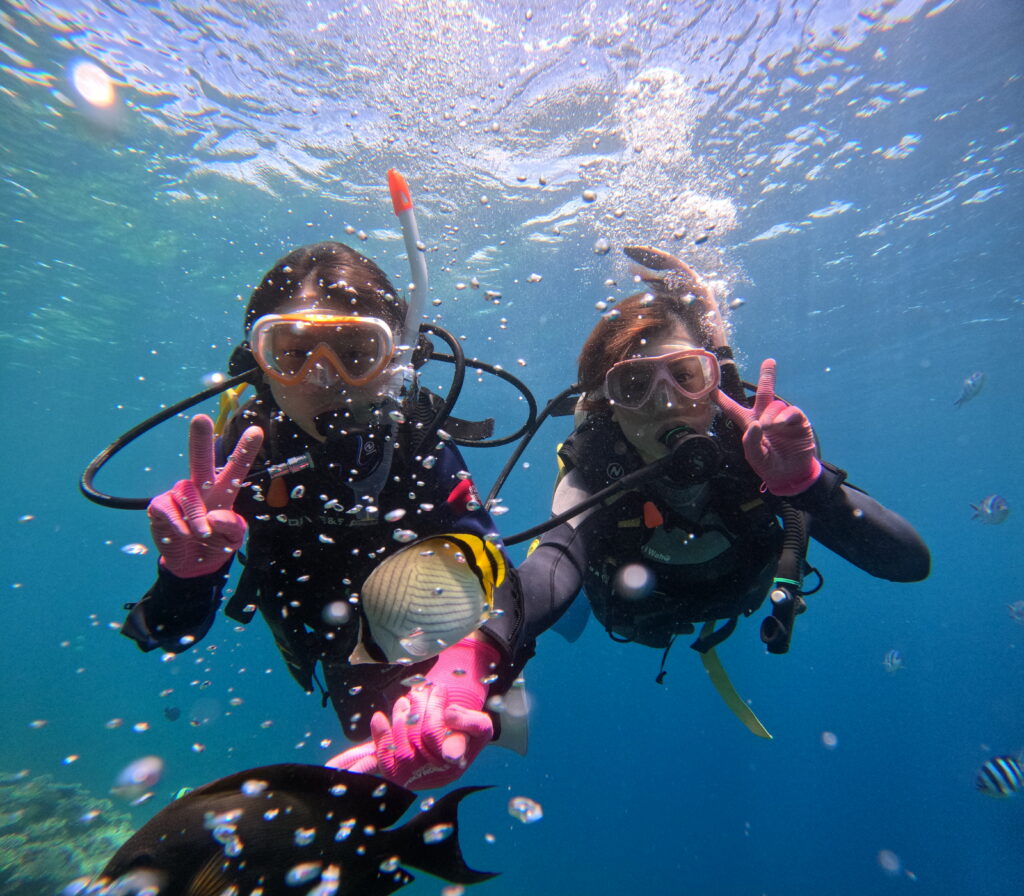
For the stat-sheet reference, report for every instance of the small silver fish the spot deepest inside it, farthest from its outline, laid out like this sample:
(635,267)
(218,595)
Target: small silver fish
(1016,610)
(991,511)
(893,661)
(971,387)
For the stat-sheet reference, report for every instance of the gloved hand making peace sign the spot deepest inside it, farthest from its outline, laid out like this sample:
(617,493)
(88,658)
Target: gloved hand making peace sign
(194,526)
(778,441)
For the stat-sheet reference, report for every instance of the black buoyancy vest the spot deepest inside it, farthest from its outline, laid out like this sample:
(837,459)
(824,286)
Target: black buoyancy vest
(295,564)
(640,527)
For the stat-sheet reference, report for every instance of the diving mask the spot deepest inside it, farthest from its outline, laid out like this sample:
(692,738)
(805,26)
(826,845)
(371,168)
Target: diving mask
(309,345)
(691,374)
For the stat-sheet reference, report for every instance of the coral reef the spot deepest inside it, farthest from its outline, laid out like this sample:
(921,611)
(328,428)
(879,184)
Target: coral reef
(51,833)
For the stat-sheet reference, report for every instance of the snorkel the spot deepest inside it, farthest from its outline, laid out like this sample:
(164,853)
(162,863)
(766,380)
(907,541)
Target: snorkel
(401,201)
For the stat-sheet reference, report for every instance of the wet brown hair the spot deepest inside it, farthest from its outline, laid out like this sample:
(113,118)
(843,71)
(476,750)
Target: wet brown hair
(345,281)
(643,316)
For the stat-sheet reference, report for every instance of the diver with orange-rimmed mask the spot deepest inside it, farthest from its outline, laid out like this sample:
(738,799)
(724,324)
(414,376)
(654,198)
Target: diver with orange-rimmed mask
(335,470)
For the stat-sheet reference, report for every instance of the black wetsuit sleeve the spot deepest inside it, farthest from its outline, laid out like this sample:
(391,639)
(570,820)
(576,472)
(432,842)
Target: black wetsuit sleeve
(460,510)
(862,531)
(551,577)
(552,574)
(175,613)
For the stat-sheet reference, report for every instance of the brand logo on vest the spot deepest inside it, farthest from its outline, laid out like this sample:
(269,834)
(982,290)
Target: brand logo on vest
(654,555)
(614,470)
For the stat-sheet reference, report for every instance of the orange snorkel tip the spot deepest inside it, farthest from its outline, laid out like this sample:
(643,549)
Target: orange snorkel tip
(401,198)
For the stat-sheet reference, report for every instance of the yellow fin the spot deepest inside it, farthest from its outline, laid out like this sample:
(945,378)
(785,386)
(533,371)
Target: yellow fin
(497,563)
(485,559)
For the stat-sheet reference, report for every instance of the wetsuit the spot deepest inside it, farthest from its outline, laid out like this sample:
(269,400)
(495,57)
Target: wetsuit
(710,547)
(314,536)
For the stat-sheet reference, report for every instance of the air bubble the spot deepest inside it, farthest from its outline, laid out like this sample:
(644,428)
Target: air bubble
(634,581)
(304,836)
(438,833)
(302,874)
(526,810)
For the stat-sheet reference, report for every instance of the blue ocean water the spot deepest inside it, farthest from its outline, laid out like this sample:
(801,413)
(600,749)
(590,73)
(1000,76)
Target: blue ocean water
(852,171)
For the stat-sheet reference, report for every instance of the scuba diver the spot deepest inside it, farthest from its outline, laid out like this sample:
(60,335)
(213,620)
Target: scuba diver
(337,469)
(696,539)
(680,501)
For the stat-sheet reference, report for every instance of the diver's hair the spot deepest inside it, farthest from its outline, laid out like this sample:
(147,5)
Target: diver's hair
(343,280)
(642,316)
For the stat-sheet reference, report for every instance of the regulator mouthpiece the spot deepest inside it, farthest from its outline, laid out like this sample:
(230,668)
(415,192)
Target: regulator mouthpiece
(695,457)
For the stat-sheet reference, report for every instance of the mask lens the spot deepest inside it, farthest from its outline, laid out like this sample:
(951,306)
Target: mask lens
(690,373)
(629,384)
(358,352)
(286,348)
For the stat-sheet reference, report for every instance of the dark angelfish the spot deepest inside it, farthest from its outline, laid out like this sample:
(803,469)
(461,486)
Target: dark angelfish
(289,829)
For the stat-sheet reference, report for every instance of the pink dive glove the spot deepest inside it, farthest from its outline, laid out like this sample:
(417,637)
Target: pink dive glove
(778,441)
(438,728)
(193,525)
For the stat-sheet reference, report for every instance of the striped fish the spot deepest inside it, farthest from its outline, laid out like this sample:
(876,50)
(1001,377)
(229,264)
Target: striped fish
(1000,776)
(427,596)
(893,661)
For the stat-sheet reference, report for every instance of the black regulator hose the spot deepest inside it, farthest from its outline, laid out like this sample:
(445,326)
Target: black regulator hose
(459,360)
(86,482)
(786,599)
(530,431)
(691,451)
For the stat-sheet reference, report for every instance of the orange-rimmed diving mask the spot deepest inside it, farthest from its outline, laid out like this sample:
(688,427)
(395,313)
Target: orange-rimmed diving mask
(306,345)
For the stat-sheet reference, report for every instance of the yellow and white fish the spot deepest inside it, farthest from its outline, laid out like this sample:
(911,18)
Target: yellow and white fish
(428,596)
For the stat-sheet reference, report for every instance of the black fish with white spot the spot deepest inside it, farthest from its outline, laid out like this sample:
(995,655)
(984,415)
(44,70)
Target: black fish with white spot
(289,829)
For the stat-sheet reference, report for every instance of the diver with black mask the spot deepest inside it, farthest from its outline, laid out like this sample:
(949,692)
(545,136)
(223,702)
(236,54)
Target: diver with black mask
(710,496)
(338,468)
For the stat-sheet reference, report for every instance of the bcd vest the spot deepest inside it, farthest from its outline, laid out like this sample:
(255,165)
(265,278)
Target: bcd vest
(711,553)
